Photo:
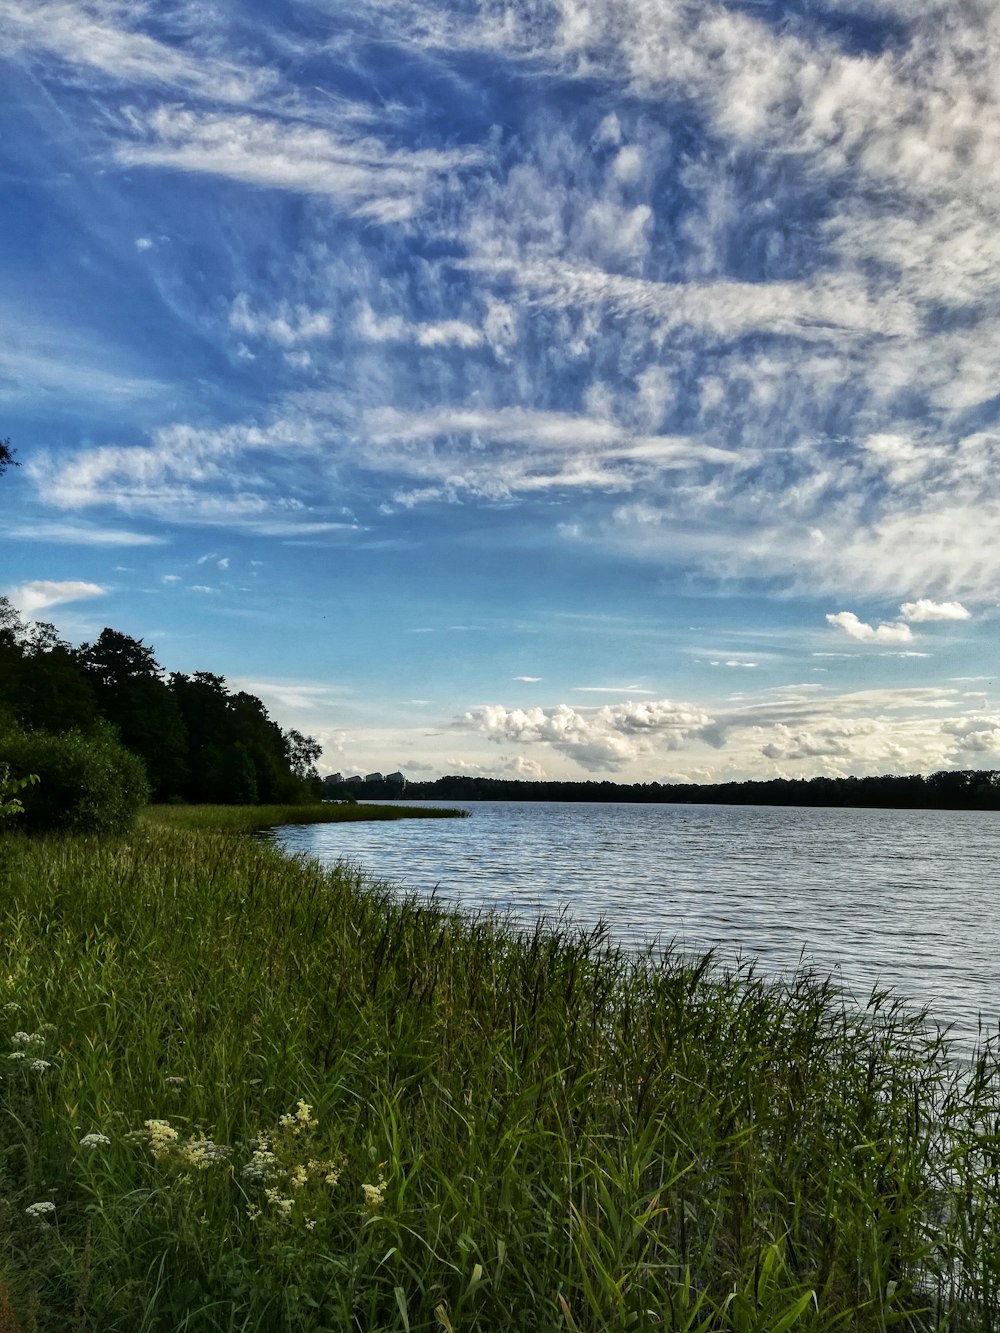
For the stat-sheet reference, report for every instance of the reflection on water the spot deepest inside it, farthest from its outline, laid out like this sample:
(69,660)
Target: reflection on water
(898,898)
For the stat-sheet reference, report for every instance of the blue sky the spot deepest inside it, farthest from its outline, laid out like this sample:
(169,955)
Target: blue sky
(567,388)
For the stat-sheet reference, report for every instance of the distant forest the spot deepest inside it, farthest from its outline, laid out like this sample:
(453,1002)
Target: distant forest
(199,741)
(957,790)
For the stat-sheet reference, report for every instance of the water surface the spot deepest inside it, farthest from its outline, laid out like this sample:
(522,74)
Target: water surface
(897,898)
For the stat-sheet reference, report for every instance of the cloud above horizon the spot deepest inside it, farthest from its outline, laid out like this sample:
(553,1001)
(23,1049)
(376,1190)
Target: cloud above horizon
(39,594)
(681,317)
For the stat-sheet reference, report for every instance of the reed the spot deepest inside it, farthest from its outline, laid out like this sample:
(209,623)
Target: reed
(253,818)
(258,1094)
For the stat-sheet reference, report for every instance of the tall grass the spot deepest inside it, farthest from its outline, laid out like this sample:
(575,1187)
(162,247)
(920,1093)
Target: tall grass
(259,1095)
(250,818)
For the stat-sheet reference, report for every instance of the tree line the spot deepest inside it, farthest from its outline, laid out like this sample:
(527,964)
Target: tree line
(962,789)
(197,740)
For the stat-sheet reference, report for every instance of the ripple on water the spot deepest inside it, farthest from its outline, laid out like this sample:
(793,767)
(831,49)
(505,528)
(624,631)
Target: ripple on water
(900,898)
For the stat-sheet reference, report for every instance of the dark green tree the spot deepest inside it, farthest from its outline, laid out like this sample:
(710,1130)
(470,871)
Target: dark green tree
(132,695)
(7,458)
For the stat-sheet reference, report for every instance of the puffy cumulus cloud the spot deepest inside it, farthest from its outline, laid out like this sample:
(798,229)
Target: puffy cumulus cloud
(974,737)
(359,173)
(601,739)
(838,741)
(925,609)
(854,628)
(806,731)
(798,730)
(42,593)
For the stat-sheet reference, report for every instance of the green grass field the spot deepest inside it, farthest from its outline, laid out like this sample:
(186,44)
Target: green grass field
(243,1092)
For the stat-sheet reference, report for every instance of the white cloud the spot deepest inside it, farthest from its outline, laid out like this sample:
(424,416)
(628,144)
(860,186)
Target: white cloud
(359,173)
(817,309)
(286,326)
(601,739)
(974,738)
(77,534)
(93,36)
(925,609)
(528,680)
(858,629)
(393,328)
(42,593)
(211,477)
(530,452)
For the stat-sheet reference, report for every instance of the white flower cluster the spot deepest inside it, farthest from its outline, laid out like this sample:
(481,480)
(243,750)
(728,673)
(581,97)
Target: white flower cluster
(162,1137)
(29,1040)
(201,1153)
(301,1121)
(291,1180)
(42,1211)
(91,1141)
(374,1195)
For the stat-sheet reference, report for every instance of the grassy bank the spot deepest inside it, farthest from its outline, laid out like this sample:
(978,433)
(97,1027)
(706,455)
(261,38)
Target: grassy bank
(240,1092)
(250,818)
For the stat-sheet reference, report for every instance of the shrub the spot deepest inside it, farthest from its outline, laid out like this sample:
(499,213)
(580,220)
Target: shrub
(10,803)
(87,783)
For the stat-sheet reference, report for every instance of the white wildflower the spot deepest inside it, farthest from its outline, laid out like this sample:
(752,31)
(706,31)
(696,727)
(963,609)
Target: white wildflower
(12,1006)
(301,1121)
(19,1038)
(261,1166)
(15,1055)
(201,1153)
(91,1141)
(374,1195)
(39,1066)
(279,1202)
(174,1080)
(41,1211)
(162,1137)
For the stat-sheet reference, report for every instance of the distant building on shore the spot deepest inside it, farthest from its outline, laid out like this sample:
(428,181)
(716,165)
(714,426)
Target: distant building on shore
(336,787)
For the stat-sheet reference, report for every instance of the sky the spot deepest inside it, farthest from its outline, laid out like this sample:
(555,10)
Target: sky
(529,388)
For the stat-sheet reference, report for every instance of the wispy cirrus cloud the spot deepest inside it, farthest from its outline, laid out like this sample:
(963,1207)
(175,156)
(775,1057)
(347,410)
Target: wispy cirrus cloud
(286,325)
(425,333)
(104,37)
(210,477)
(358,172)
(529,451)
(79,534)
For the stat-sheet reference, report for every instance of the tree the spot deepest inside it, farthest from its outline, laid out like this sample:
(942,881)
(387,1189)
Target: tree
(7,458)
(132,695)
(302,752)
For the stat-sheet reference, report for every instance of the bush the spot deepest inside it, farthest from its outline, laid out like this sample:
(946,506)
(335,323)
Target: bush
(87,783)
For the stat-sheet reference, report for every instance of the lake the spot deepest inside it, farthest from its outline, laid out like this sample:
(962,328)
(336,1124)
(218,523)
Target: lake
(891,898)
